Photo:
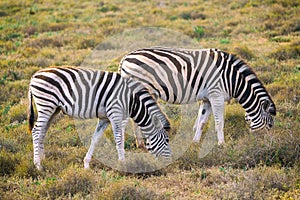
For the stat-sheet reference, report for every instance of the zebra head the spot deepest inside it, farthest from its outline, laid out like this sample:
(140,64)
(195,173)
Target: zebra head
(158,142)
(263,117)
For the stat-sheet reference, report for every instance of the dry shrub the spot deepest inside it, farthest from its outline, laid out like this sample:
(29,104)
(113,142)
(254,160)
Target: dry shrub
(41,62)
(244,52)
(14,91)
(49,42)
(8,188)
(8,162)
(18,112)
(259,183)
(30,30)
(53,27)
(291,51)
(26,169)
(119,191)
(132,193)
(73,181)
(273,148)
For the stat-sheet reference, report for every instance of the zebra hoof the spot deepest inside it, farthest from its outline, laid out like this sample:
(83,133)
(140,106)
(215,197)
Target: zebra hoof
(39,167)
(221,142)
(196,139)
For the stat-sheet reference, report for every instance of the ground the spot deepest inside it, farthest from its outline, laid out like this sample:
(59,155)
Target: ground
(261,165)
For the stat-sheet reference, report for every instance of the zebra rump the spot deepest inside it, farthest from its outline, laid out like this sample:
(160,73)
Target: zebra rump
(182,76)
(85,93)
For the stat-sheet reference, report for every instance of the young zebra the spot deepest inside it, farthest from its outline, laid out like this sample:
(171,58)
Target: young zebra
(182,76)
(85,93)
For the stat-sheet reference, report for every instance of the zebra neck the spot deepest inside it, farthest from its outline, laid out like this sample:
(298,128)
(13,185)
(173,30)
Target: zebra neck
(240,82)
(251,93)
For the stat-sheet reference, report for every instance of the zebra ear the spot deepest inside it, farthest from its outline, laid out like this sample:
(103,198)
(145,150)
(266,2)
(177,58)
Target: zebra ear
(157,123)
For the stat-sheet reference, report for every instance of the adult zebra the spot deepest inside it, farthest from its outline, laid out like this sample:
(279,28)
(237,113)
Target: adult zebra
(85,93)
(182,76)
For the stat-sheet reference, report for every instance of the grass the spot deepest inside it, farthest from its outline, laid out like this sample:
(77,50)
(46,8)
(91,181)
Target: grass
(262,165)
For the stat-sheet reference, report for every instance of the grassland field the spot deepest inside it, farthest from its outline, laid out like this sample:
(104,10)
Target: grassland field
(261,165)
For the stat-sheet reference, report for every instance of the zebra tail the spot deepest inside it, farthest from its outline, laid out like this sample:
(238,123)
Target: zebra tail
(30,115)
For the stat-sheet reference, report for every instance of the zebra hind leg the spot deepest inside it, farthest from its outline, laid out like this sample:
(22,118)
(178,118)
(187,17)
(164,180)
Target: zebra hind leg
(203,115)
(43,134)
(101,126)
(38,134)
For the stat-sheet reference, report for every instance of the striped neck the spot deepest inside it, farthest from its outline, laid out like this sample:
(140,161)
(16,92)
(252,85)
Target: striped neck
(244,85)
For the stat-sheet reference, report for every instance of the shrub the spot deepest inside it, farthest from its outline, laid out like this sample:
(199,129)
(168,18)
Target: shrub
(26,169)
(8,163)
(133,193)
(244,52)
(291,51)
(73,181)
(125,191)
(259,183)
(199,32)
(18,112)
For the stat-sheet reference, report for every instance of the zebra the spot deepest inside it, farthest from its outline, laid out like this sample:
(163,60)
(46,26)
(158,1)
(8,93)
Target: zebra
(85,93)
(182,76)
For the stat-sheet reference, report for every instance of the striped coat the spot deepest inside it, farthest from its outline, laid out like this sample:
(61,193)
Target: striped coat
(85,94)
(182,76)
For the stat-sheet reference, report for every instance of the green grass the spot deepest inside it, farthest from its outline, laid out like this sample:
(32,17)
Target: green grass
(262,165)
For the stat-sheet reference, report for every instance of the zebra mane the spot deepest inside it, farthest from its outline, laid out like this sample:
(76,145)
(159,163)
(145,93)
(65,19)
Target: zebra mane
(245,70)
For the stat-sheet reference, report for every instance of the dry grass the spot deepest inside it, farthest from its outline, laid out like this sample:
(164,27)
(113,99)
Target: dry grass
(262,165)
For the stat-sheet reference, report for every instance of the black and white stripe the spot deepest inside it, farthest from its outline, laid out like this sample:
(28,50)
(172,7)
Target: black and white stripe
(85,93)
(182,76)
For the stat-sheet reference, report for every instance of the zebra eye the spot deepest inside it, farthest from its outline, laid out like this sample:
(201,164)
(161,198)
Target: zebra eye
(167,139)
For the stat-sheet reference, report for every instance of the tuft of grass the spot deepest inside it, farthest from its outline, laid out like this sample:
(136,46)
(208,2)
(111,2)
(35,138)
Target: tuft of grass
(8,162)
(18,112)
(244,52)
(290,51)
(73,181)
(130,192)
(224,41)
(199,32)
(26,169)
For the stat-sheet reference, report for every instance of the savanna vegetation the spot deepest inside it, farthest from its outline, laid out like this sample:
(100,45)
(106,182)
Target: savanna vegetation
(261,165)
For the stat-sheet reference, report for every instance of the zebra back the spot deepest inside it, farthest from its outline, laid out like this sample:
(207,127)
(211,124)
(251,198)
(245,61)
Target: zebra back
(185,76)
(86,93)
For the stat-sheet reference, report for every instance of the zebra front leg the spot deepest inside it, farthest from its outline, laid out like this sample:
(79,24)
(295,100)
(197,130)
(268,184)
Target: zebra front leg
(101,126)
(203,115)
(217,104)
(119,137)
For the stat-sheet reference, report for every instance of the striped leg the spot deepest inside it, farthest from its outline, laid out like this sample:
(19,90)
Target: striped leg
(203,115)
(139,139)
(101,126)
(43,134)
(217,103)
(38,136)
(118,130)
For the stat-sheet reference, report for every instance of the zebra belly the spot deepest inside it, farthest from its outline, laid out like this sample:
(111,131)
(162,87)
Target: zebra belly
(83,111)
